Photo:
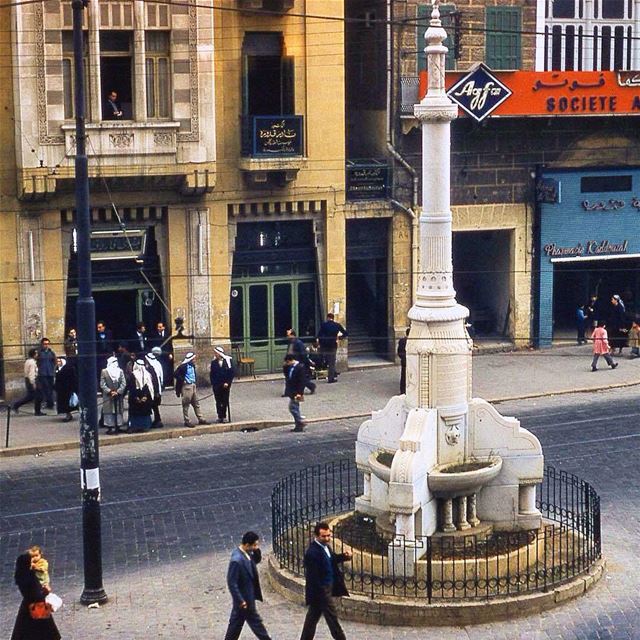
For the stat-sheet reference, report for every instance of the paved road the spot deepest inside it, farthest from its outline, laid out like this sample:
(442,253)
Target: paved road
(173,510)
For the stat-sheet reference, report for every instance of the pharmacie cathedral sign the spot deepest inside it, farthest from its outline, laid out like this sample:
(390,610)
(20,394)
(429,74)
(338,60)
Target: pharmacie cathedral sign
(589,248)
(482,92)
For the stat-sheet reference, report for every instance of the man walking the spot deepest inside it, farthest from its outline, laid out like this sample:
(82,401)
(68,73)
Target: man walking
(402,354)
(46,371)
(328,335)
(244,586)
(31,385)
(297,349)
(324,581)
(221,376)
(186,387)
(295,380)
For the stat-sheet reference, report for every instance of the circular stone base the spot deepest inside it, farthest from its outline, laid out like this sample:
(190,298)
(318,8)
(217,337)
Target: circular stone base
(408,612)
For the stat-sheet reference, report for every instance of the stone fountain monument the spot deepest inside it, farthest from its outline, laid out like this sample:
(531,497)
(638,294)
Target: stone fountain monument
(437,461)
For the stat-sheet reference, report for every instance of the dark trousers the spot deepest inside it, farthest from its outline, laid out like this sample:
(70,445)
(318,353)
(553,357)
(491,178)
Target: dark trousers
(606,356)
(222,400)
(249,615)
(581,334)
(403,375)
(33,393)
(46,388)
(326,608)
(330,357)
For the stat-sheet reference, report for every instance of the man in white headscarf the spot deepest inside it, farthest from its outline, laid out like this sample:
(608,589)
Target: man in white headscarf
(113,386)
(154,366)
(141,397)
(186,387)
(221,375)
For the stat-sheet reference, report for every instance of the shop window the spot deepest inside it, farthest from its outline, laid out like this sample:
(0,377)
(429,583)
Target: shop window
(503,48)
(563,8)
(268,78)
(597,184)
(157,74)
(116,68)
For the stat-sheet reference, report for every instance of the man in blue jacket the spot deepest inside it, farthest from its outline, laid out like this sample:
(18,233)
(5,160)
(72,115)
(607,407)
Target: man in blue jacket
(244,587)
(324,581)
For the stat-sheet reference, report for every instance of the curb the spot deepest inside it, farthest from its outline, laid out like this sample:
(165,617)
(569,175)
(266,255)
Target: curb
(181,432)
(390,611)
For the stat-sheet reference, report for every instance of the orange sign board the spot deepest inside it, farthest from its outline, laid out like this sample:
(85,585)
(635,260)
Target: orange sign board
(561,93)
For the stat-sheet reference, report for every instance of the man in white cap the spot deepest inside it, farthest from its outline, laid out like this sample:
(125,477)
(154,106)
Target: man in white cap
(186,387)
(154,367)
(221,376)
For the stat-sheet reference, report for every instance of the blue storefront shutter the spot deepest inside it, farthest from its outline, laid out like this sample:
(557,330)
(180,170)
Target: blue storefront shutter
(503,41)
(424,15)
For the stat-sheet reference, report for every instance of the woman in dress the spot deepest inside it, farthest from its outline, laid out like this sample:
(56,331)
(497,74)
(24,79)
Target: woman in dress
(27,627)
(141,397)
(113,386)
(66,385)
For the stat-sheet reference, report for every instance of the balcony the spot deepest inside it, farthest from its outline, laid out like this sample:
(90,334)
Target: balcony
(129,155)
(266,5)
(272,145)
(368,179)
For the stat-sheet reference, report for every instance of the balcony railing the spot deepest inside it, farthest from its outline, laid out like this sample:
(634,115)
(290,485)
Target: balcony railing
(368,179)
(272,136)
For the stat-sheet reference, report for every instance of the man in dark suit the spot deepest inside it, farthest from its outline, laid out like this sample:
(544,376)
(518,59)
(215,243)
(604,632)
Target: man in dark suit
(140,343)
(162,338)
(104,346)
(324,581)
(221,376)
(328,335)
(296,378)
(244,587)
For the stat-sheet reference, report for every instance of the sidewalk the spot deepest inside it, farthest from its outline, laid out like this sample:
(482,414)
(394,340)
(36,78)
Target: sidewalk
(257,404)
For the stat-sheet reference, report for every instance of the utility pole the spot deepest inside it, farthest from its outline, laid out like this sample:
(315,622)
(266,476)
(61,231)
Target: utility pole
(86,320)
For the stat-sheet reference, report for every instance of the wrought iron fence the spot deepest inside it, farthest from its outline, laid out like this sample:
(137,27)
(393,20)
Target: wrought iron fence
(439,567)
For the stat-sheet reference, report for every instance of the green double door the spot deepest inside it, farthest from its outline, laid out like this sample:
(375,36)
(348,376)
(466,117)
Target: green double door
(261,310)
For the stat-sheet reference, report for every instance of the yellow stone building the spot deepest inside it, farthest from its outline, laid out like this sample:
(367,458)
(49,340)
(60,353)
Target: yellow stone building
(224,193)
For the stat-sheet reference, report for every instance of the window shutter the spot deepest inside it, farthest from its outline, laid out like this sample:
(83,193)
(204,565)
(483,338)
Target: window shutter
(503,48)
(424,15)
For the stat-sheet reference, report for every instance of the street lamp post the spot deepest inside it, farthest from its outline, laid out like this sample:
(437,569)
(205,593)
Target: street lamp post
(86,321)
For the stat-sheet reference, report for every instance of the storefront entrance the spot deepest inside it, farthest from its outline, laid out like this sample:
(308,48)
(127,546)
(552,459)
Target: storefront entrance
(261,312)
(273,288)
(482,277)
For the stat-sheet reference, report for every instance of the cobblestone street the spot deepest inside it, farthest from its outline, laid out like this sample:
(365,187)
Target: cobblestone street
(173,510)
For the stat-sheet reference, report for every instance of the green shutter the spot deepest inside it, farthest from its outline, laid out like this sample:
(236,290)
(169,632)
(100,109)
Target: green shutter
(503,37)
(424,15)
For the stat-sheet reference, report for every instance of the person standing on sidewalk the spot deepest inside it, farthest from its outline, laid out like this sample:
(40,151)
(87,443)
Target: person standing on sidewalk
(324,581)
(66,388)
(31,385)
(328,335)
(295,375)
(221,376)
(46,371)
(186,387)
(244,586)
(402,354)
(601,346)
(157,374)
(297,349)
(113,385)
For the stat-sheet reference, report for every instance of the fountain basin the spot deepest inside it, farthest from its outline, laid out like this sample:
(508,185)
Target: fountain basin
(446,483)
(380,464)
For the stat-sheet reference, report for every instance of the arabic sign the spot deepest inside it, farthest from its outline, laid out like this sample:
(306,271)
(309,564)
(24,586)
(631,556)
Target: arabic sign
(479,93)
(367,179)
(277,136)
(117,245)
(558,93)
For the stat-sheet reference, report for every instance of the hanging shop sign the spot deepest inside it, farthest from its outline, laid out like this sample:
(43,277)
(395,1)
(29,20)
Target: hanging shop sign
(482,92)
(118,244)
(479,92)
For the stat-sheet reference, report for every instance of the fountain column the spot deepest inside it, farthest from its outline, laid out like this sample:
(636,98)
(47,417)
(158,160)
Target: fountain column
(439,348)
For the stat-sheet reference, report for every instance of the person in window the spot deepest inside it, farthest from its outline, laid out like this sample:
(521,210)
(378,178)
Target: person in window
(112,109)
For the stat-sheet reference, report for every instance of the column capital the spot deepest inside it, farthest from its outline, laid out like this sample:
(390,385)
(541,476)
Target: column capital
(442,110)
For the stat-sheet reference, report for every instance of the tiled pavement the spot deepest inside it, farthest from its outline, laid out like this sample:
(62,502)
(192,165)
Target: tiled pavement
(173,510)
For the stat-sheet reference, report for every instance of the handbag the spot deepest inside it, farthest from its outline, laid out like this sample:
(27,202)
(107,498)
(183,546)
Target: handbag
(73,401)
(40,610)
